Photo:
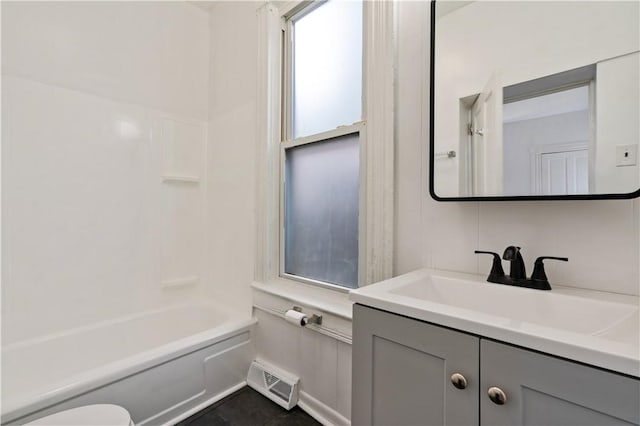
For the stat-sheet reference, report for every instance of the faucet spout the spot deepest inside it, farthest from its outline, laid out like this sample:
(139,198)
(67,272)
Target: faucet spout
(517,270)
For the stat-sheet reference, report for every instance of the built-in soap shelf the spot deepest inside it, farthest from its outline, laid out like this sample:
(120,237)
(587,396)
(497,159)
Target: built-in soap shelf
(180,282)
(180,154)
(170,178)
(182,145)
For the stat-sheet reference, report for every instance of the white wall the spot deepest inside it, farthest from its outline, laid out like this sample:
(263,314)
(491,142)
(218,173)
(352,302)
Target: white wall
(231,157)
(617,112)
(601,238)
(99,100)
(520,137)
(322,363)
(151,54)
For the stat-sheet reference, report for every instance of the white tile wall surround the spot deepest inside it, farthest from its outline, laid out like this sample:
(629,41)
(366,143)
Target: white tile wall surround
(183,150)
(153,54)
(82,211)
(182,242)
(82,191)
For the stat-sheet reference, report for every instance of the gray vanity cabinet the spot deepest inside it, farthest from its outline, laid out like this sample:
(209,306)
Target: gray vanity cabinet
(402,372)
(545,390)
(403,368)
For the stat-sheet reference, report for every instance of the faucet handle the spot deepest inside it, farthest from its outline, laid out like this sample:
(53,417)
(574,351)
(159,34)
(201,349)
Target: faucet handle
(496,268)
(538,268)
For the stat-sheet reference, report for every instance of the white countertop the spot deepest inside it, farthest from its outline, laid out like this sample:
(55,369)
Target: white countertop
(593,327)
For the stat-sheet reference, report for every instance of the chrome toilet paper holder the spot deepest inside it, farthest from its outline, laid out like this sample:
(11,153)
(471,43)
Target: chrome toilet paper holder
(313,319)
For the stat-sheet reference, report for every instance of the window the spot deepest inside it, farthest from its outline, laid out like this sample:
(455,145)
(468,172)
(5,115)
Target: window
(326,143)
(321,140)
(326,67)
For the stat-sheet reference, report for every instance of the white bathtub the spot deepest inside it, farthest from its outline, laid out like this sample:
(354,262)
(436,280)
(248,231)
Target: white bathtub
(160,365)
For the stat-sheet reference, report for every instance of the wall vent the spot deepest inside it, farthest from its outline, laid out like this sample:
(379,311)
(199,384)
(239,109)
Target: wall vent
(274,383)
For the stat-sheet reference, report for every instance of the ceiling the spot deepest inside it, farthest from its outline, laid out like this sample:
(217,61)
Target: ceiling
(566,101)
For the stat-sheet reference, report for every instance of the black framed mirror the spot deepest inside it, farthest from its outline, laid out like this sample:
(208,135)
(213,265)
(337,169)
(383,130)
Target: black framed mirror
(534,100)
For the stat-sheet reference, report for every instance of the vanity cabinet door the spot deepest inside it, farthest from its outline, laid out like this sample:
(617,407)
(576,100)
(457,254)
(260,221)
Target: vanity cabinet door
(544,390)
(402,372)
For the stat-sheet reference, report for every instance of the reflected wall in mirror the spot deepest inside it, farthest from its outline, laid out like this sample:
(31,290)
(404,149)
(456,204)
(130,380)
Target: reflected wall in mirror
(537,99)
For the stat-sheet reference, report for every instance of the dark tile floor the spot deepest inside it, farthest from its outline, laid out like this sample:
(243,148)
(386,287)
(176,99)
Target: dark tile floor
(247,407)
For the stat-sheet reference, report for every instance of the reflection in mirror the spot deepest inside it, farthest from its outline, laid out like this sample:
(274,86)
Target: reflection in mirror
(536,98)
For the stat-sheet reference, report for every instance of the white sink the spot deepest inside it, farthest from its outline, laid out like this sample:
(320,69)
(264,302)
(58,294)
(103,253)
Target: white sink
(594,327)
(545,308)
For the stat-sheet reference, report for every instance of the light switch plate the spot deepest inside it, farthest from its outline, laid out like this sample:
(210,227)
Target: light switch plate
(626,155)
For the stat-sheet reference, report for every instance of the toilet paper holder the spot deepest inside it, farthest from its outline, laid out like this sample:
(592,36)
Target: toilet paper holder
(313,319)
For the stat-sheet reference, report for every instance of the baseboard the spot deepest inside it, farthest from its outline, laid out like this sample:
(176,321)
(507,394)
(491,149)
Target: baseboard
(320,411)
(205,404)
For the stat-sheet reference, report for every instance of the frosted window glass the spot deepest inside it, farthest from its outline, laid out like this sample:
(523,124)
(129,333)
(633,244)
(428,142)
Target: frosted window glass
(327,68)
(321,211)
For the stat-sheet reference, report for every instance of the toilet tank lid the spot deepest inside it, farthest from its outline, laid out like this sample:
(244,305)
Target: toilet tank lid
(88,415)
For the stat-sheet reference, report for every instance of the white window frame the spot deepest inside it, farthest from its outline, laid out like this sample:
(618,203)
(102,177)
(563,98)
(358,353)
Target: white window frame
(376,138)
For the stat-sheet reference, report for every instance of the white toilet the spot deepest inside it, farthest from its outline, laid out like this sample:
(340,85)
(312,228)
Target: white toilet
(89,415)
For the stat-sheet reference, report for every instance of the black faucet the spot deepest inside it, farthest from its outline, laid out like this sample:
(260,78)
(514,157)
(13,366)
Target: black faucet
(517,273)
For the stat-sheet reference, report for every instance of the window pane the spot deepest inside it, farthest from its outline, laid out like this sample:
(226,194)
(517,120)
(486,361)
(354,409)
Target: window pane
(321,211)
(327,68)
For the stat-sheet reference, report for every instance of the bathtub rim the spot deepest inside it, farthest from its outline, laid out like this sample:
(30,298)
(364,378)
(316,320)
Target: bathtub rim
(55,393)
(43,338)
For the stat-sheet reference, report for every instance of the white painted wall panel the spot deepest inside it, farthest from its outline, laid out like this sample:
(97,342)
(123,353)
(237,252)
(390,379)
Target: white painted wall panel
(322,363)
(343,382)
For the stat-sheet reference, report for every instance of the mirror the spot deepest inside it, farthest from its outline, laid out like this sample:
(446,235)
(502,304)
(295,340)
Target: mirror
(535,100)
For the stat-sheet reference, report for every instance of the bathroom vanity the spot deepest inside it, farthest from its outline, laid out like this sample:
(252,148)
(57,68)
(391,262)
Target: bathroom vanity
(434,347)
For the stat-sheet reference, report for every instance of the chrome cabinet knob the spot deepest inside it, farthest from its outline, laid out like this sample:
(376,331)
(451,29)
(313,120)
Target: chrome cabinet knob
(458,381)
(497,395)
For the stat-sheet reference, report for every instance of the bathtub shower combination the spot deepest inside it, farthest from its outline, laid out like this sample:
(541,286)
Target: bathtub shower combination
(160,365)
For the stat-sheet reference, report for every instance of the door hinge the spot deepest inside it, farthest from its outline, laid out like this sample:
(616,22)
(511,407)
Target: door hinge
(471,131)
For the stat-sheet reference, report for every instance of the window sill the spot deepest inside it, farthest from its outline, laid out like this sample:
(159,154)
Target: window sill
(330,301)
